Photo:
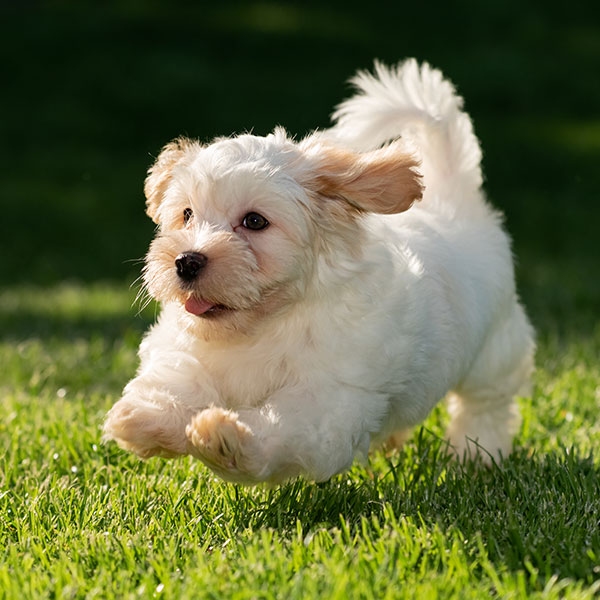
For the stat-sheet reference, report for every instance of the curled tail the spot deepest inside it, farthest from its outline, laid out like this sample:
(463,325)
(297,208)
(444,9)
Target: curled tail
(413,102)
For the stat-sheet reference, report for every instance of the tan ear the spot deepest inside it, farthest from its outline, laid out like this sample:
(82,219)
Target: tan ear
(159,174)
(382,181)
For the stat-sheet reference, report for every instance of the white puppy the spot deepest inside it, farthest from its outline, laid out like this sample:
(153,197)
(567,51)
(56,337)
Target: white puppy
(310,309)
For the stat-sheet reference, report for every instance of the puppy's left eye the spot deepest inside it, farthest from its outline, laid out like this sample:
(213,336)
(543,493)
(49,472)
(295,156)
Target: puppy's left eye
(254,221)
(188,213)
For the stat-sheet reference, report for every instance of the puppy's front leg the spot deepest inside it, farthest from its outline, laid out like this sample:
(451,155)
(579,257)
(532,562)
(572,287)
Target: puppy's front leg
(313,432)
(151,417)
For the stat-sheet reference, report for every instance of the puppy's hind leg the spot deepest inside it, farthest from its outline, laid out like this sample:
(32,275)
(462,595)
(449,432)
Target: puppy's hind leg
(484,415)
(397,439)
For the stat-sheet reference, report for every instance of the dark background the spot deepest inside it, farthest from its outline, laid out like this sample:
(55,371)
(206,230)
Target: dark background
(90,91)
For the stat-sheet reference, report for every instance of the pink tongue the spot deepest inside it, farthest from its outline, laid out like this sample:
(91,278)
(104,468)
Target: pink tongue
(197,307)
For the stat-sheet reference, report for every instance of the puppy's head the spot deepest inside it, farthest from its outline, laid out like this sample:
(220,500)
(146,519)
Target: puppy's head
(244,222)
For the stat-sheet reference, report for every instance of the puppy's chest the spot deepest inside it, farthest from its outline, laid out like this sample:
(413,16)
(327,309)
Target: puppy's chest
(248,378)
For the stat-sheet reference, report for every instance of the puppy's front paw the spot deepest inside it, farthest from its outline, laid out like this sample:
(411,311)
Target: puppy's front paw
(224,444)
(147,429)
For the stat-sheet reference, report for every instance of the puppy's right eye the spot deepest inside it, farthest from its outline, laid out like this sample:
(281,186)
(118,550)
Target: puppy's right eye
(188,213)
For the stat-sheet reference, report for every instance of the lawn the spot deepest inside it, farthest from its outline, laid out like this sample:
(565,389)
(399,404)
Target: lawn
(89,96)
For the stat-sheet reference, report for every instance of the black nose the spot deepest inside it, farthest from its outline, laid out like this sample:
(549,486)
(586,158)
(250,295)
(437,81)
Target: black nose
(189,264)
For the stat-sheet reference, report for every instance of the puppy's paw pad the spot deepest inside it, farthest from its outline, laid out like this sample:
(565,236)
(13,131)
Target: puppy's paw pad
(219,437)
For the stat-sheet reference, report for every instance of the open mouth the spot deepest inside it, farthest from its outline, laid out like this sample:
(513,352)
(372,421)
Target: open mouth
(204,308)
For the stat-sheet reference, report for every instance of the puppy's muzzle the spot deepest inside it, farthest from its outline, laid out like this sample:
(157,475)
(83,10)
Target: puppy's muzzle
(189,265)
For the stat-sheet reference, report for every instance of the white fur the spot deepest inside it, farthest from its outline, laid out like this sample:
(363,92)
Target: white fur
(362,339)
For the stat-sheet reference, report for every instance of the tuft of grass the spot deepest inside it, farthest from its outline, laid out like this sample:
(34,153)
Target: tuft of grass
(80,519)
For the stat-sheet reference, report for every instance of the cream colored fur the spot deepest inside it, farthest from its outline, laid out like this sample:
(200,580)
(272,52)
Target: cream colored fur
(383,282)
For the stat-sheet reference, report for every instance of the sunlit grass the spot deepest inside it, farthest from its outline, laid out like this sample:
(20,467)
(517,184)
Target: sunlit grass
(78,518)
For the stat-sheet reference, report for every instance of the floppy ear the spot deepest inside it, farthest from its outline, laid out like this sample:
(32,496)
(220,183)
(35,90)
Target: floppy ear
(382,181)
(159,174)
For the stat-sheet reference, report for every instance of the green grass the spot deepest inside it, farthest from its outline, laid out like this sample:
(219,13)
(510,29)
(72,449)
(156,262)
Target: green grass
(80,519)
(90,93)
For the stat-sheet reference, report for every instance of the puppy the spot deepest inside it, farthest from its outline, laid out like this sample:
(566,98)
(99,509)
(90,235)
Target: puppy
(320,296)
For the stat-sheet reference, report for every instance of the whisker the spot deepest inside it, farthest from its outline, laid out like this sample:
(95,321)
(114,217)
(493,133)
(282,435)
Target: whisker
(145,304)
(143,300)
(143,297)
(138,279)
(135,261)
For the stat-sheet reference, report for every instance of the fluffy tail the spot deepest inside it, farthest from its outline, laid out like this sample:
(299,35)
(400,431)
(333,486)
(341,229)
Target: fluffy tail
(417,104)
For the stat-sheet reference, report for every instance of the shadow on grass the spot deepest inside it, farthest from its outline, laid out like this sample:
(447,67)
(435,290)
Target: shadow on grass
(66,328)
(529,513)
(72,310)
(538,512)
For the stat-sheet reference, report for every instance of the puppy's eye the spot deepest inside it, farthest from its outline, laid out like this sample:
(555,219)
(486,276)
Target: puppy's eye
(188,213)
(254,221)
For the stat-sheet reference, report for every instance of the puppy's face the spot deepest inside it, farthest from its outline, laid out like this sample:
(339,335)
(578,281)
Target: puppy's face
(243,222)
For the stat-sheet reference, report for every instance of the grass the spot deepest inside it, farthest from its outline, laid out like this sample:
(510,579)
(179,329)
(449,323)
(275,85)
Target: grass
(80,519)
(89,95)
